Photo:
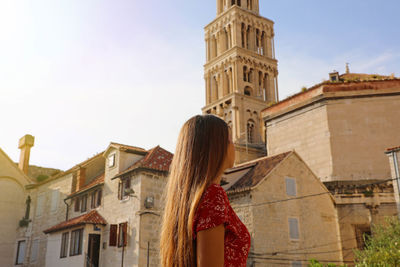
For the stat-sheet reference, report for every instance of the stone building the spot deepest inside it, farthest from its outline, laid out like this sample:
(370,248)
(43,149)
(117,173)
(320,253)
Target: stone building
(100,212)
(268,195)
(14,203)
(241,72)
(341,128)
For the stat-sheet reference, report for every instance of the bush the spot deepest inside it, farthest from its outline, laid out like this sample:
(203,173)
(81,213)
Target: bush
(383,248)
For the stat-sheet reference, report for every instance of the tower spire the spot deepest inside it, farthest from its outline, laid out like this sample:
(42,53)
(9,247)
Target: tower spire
(347,68)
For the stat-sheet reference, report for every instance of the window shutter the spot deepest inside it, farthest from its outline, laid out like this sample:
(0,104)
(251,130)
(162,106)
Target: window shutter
(113,235)
(290,186)
(125,231)
(293,228)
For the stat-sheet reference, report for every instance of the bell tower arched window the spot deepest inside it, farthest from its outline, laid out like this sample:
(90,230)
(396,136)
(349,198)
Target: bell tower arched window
(247,91)
(250,131)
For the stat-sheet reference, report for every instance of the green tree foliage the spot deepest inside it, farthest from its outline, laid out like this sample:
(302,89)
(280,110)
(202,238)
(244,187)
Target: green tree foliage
(315,263)
(383,248)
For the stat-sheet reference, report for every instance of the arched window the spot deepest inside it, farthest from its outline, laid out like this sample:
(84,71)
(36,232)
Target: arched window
(248,37)
(233,2)
(238,3)
(250,75)
(250,131)
(247,91)
(245,73)
(243,35)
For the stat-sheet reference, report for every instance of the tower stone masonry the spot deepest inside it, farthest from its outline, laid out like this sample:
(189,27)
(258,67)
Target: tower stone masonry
(241,72)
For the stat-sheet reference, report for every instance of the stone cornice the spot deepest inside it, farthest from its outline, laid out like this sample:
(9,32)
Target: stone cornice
(246,16)
(242,55)
(324,96)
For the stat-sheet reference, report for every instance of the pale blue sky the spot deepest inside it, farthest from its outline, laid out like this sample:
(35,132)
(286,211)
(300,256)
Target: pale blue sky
(79,74)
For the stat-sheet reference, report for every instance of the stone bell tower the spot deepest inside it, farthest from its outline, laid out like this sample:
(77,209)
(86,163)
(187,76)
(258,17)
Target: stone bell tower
(241,72)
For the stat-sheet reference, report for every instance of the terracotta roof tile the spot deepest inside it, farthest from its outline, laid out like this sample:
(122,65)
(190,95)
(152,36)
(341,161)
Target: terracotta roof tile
(251,173)
(93,217)
(157,159)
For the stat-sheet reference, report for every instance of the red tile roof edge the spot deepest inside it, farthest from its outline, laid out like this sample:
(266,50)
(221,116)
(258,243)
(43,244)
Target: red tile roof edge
(393,149)
(93,217)
(329,87)
(95,182)
(147,161)
(244,183)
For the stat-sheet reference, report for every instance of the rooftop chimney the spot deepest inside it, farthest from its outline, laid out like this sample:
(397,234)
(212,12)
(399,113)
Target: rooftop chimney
(25,144)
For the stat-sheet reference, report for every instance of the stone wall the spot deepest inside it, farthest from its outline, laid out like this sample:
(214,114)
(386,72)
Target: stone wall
(268,223)
(307,132)
(361,129)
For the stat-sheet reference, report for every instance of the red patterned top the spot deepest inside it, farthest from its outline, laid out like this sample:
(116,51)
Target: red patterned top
(214,209)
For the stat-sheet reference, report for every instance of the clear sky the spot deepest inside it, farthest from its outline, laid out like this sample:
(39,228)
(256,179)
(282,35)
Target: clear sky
(80,74)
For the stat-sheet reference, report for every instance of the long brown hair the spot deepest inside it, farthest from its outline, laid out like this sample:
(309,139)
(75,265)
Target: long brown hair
(200,152)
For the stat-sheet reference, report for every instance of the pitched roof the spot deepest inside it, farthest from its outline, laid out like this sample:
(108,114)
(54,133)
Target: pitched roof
(127,148)
(93,217)
(95,182)
(249,174)
(157,159)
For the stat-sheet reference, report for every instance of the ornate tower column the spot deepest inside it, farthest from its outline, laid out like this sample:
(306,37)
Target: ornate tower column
(240,54)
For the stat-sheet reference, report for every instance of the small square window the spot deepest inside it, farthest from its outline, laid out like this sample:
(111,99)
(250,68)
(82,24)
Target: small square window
(296,264)
(111,160)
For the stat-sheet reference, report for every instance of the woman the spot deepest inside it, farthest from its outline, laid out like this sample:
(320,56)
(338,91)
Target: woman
(199,226)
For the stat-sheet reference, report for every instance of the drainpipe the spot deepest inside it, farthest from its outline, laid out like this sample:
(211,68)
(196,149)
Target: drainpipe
(396,171)
(66,213)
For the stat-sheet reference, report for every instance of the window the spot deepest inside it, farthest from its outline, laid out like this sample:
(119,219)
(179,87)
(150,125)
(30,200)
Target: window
(54,200)
(363,232)
(290,186)
(296,264)
(293,228)
(76,206)
(247,91)
(122,230)
(123,188)
(113,235)
(111,160)
(250,131)
(99,196)
(64,245)
(83,203)
(39,205)
(20,252)
(95,199)
(75,247)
